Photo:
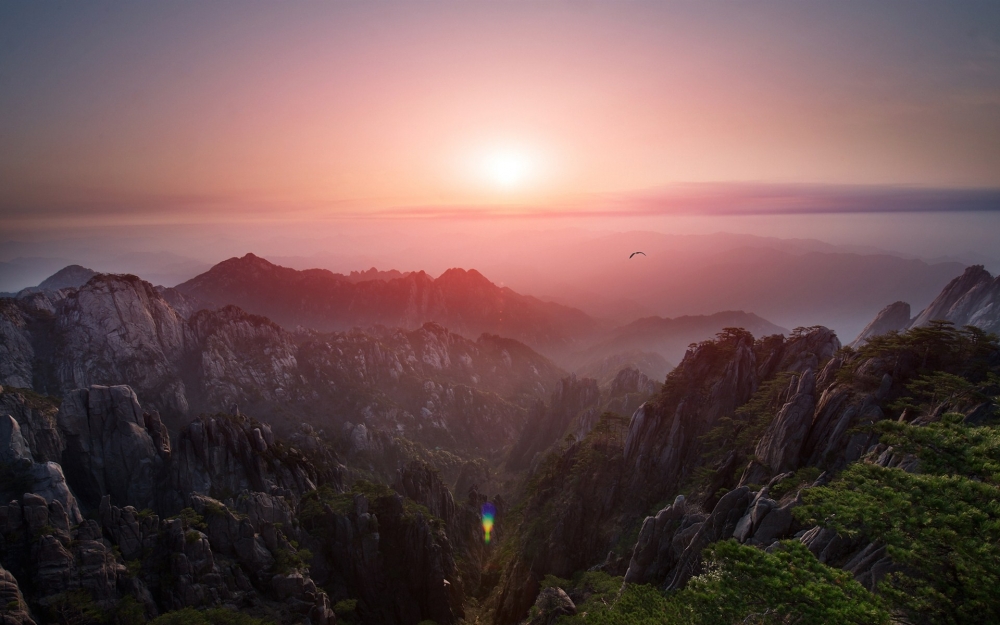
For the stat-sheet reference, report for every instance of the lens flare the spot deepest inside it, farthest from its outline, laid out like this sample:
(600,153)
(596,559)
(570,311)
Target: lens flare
(489,512)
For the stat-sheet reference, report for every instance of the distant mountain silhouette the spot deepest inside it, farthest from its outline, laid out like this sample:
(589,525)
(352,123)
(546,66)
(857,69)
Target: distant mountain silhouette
(671,337)
(70,277)
(464,301)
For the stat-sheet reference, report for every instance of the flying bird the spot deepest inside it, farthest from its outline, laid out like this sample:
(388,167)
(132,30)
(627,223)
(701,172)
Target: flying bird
(634,253)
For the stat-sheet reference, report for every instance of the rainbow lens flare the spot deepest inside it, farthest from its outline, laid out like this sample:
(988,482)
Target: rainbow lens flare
(489,511)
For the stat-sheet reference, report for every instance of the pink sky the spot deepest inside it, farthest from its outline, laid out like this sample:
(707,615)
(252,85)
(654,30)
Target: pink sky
(178,111)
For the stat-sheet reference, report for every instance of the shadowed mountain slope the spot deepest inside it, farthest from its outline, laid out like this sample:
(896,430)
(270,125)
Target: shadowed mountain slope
(463,301)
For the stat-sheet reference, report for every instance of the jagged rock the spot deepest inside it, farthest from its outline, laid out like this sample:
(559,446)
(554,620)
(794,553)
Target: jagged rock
(243,358)
(13,608)
(396,563)
(69,277)
(108,448)
(119,328)
(17,355)
(552,603)
(13,448)
(133,533)
(780,448)
(661,438)
(870,565)
(36,418)
(421,483)
(653,555)
(631,380)
(216,455)
(894,317)
(720,525)
(54,564)
(970,299)
(546,426)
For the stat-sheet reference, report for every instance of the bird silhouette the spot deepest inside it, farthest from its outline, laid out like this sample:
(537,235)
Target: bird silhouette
(634,253)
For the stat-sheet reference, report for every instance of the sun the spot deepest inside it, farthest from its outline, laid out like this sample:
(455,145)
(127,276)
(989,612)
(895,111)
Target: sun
(509,168)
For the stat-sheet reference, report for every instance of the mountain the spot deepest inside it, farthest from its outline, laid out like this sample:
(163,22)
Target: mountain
(463,301)
(671,337)
(70,277)
(428,383)
(847,463)
(790,282)
(224,514)
(971,299)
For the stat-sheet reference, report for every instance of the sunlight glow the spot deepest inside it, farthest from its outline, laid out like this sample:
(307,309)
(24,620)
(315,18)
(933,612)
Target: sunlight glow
(509,168)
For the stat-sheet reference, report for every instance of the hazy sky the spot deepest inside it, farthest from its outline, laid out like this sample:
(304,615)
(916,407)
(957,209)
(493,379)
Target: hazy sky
(174,112)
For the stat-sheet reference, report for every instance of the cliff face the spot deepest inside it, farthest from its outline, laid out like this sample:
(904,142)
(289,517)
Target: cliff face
(118,329)
(663,447)
(430,384)
(971,299)
(213,520)
(583,499)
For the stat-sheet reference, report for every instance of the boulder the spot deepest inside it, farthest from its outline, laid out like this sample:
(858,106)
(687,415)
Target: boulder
(551,603)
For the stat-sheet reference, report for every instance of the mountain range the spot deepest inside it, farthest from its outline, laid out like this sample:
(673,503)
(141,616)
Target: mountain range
(160,462)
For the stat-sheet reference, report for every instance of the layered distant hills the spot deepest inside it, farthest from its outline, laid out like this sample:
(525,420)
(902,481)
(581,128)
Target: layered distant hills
(463,301)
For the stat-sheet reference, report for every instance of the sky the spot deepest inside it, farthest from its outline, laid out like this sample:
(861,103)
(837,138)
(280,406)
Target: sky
(183,112)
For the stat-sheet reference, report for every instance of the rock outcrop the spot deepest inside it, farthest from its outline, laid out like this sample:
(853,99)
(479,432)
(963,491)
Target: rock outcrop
(547,425)
(17,354)
(464,301)
(36,418)
(428,384)
(222,455)
(972,299)
(69,277)
(892,318)
(111,446)
(13,608)
(118,329)
(552,603)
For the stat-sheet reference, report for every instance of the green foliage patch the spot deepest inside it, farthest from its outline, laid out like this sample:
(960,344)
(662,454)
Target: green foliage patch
(942,524)
(742,584)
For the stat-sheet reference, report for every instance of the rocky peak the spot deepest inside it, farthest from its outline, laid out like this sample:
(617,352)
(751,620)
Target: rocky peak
(70,277)
(973,298)
(222,455)
(110,446)
(119,329)
(894,317)
(422,483)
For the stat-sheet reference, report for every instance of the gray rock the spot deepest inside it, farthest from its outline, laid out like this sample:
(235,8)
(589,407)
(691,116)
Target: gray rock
(779,450)
(720,525)
(50,484)
(13,448)
(36,419)
(16,352)
(119,328)
(894,317)
(970,299)
(108,448)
